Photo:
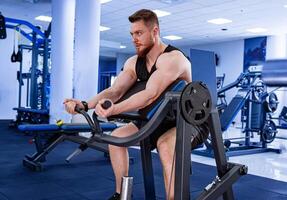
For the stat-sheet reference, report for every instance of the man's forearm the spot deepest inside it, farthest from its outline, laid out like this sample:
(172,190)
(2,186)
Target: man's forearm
(135,102)
(108,93)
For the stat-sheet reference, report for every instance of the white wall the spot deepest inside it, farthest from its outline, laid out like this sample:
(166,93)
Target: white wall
(276,47)
(8,78)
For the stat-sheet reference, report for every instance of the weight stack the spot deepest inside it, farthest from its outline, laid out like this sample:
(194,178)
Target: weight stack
(257,115)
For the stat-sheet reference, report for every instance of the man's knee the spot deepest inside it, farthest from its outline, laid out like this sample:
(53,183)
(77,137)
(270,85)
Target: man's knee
(125,131)
(166,140)
(161,142)
(116,132)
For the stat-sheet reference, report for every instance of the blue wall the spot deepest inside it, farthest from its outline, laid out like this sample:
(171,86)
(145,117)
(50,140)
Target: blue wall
(107,64)
(107,67)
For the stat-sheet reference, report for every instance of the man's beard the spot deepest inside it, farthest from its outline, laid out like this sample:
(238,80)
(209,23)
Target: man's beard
(146,50)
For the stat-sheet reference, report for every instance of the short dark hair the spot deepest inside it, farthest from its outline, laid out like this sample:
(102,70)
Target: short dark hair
(148,16)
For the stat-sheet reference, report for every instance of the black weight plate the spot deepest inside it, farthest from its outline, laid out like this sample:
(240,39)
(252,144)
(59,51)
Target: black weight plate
(269,132)
(273,102)
(195,103)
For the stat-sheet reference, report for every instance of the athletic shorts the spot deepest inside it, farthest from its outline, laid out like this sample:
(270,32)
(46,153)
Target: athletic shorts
(199,136)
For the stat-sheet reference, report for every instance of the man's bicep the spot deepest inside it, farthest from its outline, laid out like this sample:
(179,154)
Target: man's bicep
(124,81)
(160,80)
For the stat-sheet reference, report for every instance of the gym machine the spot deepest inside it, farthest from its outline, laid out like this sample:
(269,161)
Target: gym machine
(255,104)
(105,79)
(36,109)
(192,107)
(274,74)
(221,101)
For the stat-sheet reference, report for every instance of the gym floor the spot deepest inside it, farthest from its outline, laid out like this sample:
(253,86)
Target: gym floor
(90,177)
(270,165)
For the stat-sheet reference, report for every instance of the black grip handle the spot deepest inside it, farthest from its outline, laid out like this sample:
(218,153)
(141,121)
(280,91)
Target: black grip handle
(95,125)
(107,104)
(78,109)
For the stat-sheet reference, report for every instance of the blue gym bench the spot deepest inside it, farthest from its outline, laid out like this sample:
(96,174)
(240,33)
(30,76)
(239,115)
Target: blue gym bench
(48,136)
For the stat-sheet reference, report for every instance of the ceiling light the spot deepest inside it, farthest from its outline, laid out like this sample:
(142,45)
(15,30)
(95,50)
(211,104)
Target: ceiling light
(219,21)
(161,13)
(171,1)
(172,37)
(285,6)
(49,19)
(104,28)
(105,1)
(44,18)
(123,47)
(256,30)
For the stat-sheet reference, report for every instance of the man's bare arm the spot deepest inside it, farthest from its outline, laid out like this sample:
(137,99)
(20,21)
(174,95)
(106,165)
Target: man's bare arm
(165,75)
(116,91)
(123,82)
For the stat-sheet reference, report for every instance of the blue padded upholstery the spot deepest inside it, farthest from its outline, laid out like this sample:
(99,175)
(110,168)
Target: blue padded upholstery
(38,127)
(147,112)
(233,108)
(87,128)
(175,88)
(65,127)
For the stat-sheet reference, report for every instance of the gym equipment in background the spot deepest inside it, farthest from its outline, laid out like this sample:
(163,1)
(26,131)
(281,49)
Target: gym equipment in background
(105,79)
(283,118)
(252,100)
(37,79)
(254,103)
(221,100)
(3,33)
(274,74)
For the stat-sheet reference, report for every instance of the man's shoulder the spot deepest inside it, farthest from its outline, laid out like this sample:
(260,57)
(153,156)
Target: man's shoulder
(131,62)
(171,57)
(132,59)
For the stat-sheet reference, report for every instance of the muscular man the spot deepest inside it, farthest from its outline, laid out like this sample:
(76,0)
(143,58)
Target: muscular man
(160,65)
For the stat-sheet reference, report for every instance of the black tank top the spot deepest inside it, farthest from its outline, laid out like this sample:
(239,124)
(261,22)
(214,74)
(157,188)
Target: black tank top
(141,68)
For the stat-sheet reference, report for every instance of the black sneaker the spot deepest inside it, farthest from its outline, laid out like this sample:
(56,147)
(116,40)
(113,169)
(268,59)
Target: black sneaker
(115,196)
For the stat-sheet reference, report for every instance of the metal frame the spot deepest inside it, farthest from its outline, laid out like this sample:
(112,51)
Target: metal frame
(228,173)
(34,161)
(14,24)
(40,44)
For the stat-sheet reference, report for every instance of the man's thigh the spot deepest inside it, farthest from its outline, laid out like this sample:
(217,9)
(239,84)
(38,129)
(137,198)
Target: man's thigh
(126,130)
